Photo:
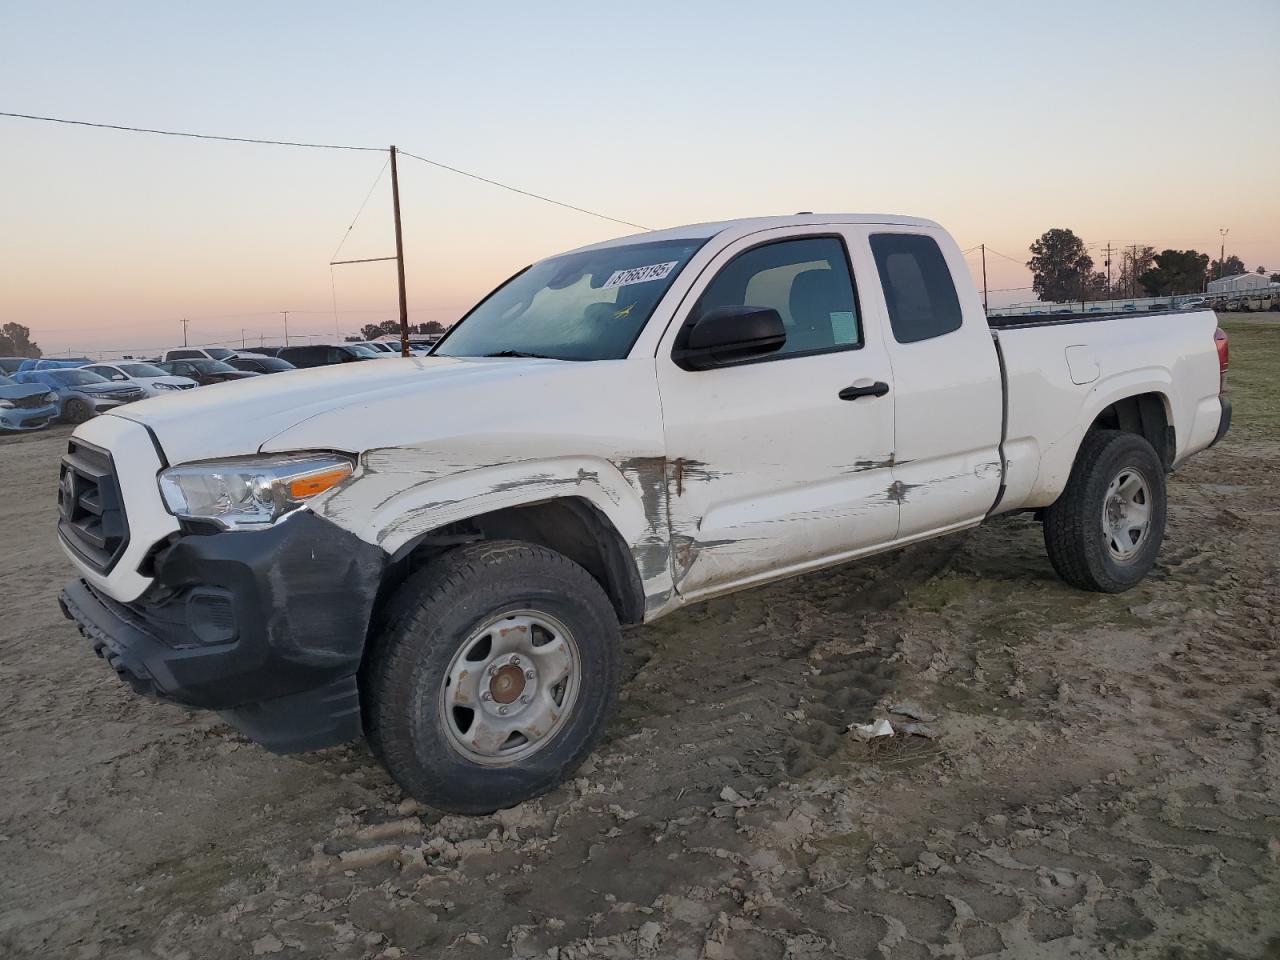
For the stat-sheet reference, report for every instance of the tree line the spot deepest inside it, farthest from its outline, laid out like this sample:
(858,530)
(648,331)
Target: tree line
(1062,270)
(371,331)
(15,341)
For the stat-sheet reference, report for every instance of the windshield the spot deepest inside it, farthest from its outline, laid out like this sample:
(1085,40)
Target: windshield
(273,363)
(143,370)
(219,353)
(212,366)
(73,378)
(580,306)
(360,350)
(6,382)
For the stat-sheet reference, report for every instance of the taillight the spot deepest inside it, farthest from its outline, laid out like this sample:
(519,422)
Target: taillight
(1224,356)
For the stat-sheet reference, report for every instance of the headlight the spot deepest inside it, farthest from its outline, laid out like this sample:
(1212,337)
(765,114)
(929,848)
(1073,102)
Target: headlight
(7,404)
(250,493)
(50,398)
(166,386)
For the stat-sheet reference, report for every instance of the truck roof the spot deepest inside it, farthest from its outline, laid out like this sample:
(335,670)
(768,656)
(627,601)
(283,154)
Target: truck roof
(746,225)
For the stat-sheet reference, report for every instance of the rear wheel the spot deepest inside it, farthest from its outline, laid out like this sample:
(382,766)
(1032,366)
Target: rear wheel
(1105,531)
(493,676)
(76,411)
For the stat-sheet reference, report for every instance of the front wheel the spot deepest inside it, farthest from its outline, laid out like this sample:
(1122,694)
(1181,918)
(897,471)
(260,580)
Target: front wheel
(1105,531)
(76,411)
(493,676)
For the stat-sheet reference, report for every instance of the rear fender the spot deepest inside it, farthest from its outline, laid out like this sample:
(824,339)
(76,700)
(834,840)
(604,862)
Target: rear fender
(1059,456)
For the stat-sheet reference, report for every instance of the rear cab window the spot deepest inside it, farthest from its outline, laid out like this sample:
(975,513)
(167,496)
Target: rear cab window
(918,289)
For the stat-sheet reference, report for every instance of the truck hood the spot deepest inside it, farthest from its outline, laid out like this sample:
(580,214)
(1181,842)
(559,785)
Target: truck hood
(350,407)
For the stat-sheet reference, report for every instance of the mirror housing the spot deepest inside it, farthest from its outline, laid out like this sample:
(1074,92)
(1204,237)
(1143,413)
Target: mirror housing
(727,335)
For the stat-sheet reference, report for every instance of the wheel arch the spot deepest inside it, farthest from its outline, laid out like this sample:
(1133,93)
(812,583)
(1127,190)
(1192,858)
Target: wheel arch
(1147,414)
(571,525)
(1143,407)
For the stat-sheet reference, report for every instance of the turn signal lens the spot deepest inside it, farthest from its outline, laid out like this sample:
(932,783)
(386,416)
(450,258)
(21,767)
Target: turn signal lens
(309,486)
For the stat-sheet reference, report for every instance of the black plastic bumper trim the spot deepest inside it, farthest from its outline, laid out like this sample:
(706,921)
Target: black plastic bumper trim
(302,596)
(1225,423)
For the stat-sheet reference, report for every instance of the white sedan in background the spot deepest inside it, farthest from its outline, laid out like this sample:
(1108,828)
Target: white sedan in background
(151,380)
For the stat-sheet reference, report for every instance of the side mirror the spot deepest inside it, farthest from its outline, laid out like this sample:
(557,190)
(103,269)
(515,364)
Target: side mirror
(118,376)
(725,335)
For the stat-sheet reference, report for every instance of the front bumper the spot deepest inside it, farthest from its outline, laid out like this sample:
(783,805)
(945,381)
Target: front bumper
(266,627)
(20,418)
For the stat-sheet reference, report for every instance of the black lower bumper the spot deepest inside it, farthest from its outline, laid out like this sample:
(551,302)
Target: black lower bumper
(1225,423)
(266,627)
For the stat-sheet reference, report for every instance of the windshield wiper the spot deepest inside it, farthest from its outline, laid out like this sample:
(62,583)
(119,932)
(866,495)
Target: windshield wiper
(520,353)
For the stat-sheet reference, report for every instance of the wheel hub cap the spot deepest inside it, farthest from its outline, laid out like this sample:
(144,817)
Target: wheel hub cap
(1126,514)
(507,684)
(510,687)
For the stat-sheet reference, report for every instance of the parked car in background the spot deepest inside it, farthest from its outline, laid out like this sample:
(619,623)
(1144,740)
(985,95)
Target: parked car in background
(10,365)
(1195,303)
(261,351)
(204,371)
(261,364)
(44,363)
(25,406)
(324,355)
(153,381)
(383,348)
(199,353)
(81,394)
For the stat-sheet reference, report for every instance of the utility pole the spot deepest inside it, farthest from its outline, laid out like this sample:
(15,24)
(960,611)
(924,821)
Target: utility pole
(242,338)
(286,327)
(1133,271)
(1222,251)
(185,321)
(984,278)
(404,308)
(1107,250)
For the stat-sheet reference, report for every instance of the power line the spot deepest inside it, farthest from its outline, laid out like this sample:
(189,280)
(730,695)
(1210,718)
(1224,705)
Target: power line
(526,193)
(1009,258)
(323,146)
(193,136)
(363,204)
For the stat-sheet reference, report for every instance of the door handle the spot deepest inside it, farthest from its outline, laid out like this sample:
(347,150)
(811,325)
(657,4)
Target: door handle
(877,389)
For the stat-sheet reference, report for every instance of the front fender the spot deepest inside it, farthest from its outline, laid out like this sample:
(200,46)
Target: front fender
(396,497)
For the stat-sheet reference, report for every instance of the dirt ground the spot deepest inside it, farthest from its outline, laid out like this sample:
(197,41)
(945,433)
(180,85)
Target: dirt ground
(1104,781)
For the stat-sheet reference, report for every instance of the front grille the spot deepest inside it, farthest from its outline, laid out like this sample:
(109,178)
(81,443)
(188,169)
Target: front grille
(127,396)
(91,517)
(31,403)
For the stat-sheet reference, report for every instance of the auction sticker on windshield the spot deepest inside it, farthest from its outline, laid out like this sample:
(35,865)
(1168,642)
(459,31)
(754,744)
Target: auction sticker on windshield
(655,271)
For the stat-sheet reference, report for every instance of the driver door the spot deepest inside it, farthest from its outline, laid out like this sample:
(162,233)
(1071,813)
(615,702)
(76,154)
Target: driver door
(783,462)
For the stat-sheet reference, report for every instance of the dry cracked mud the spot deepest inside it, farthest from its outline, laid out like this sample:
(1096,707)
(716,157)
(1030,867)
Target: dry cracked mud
(1104,779)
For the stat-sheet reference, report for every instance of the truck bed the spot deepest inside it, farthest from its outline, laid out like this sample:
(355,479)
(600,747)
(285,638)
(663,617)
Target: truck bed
(1051,320)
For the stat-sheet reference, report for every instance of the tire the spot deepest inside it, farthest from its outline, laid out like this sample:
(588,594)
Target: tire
(1082,548)
(431,631)
(76,411)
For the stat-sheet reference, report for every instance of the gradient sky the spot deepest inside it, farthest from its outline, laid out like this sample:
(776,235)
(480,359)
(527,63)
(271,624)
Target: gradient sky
(1131,123)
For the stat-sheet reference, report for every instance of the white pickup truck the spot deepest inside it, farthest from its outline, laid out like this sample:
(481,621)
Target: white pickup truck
(437,552)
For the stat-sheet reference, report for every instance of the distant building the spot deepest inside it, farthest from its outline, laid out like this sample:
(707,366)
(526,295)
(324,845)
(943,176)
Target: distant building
(1238,283)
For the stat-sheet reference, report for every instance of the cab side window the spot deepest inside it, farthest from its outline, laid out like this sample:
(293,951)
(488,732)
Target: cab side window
(918,288)
(807,281)
(184,354)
